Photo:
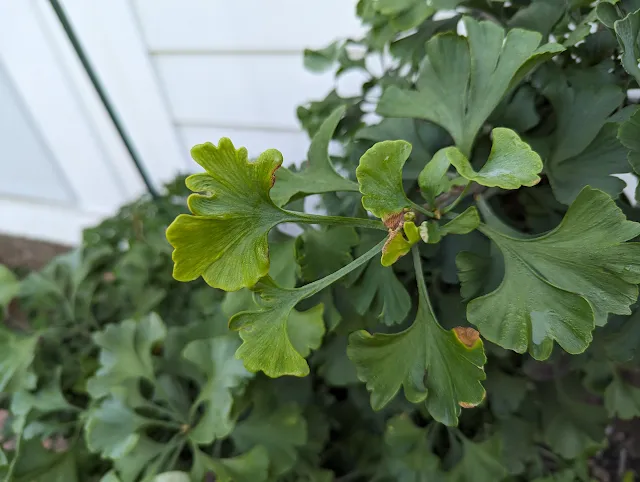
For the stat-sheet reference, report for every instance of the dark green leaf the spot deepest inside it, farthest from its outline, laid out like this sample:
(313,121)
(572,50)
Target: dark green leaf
(460,94)
(560,285)
(319,175)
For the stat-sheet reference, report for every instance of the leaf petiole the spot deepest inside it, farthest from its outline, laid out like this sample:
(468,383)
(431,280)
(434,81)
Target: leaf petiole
(457,200)
(423,210)
(298,217)
(317,286)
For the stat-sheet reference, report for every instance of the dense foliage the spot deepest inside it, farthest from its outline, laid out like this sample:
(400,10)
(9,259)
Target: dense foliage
(463,308)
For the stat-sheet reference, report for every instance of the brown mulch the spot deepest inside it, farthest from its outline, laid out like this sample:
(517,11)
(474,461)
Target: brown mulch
(28,254)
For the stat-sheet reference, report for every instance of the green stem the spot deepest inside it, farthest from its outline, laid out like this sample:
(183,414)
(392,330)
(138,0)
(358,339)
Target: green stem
(422,210)
(457,200)
(297,217)
(422,285)
(317,286)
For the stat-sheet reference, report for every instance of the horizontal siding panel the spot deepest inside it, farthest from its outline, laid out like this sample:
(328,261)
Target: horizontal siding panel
(293,145)
(170,25)
(245,90)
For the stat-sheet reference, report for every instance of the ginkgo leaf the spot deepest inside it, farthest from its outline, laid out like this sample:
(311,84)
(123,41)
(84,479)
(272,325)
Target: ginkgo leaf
(126,353)
(268,345)
(629,135)
(425,139)
(321,252)
(627,30)
(511,163)
(433,179)
(431,232)
(583,149)
(251,466)
(112,429)
(505,392)
(570,426)
(407,454)
(560,285)
(463,79)
(378,290)
(222,374)
(276,337)
(443,368)
(281,430)
(319,175)
(16,359)
(480,462)
(9,287)
(622,399)
(225,240)
(380,177)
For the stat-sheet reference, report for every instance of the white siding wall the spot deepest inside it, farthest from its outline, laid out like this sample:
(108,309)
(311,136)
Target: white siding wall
(235,68)
(178,72)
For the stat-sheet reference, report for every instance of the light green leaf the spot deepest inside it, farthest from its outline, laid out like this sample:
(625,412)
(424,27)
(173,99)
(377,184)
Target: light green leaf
(425,139)
(463,79)
(621,399)
(16,359)
(126,353)
(481,462)
(584,149)
(430,363)
(281,430)
(560,285)
(433,179)
(321,252)
(9,286)
(225,240)
(380,177)
(275,338)
(222,375)
(319,175)
(398,245)
(431,232)
(251,466)
(408,456)
(511,163)
(112,429)
(306,329)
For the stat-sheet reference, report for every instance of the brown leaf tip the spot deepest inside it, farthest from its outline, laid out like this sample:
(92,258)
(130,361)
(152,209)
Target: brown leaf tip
(394,221)
(468,336)
(467,405)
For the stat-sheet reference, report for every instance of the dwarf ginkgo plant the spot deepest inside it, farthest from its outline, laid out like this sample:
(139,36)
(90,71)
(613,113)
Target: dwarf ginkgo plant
(457,302)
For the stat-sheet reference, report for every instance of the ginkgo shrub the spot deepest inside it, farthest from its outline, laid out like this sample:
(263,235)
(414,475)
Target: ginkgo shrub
(461,304)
